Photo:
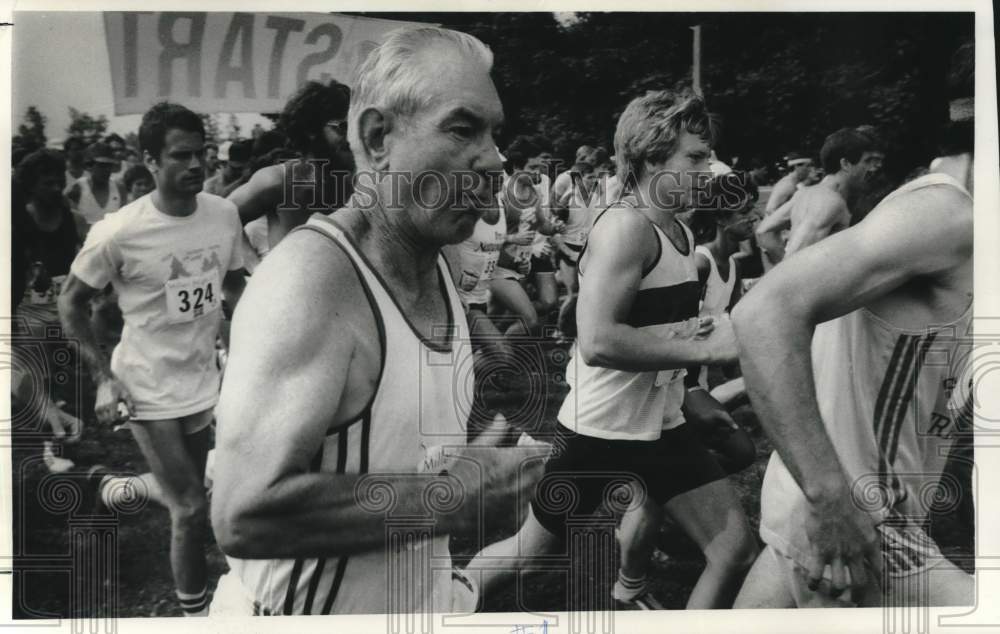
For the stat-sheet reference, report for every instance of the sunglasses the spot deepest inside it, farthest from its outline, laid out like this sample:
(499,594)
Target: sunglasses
(338,125)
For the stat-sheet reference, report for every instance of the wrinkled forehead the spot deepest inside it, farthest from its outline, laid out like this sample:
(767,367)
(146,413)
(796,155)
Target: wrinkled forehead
(454,82)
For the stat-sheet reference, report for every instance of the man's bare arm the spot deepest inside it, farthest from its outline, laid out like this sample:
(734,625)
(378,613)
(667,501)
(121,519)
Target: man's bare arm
(74,313)
(768,232)
(608,288)
(783,192)
(260,195)
(775,324)
(280,394)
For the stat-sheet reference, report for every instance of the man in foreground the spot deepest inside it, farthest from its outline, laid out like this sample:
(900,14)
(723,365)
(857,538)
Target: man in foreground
(848,353)
(332,432)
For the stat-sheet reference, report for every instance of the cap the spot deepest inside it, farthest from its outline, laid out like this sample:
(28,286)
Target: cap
(101,153)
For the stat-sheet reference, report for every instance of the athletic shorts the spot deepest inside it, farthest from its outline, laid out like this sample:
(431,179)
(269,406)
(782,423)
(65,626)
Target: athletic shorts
(584,471)
(908,554)
(568,253)
(542,265)
(232,600)
(190,424)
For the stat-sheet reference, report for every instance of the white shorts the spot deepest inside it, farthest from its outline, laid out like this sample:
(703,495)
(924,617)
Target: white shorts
(231,599)
(909,555)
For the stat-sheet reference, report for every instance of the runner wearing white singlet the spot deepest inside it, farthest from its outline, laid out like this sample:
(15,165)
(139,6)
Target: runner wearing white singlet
(96,194)
(321,467)
(576,205)
(621,422)
(721,223)
(851,370)
(473,264)
(395,433)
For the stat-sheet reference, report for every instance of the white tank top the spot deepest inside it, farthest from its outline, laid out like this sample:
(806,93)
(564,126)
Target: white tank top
(718,292)
(620,405)
(884,395)
(419,406)
(474,260)
(89,208)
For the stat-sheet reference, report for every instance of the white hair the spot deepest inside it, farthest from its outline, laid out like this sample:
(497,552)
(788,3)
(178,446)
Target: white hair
(390,81)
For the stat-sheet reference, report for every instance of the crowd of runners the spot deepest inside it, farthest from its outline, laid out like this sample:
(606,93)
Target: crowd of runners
(284,324)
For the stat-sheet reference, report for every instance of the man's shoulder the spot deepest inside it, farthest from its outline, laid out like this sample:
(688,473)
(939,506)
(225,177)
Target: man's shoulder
(313,266)
(622,227)
(113,227)
(215,203)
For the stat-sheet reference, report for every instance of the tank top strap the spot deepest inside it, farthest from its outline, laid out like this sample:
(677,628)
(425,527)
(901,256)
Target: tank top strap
(386,303)
(929,180)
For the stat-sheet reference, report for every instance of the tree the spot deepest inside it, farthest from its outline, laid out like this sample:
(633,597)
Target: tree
(212,132)
(234,128)
(86,127)
(132,140)
(30,134)
(777,81)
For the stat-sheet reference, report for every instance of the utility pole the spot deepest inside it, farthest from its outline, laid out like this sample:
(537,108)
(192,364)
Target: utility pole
(696,55)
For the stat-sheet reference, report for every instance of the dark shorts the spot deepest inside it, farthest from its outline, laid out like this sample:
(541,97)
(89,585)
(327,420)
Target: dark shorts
(542,265)
(584,471)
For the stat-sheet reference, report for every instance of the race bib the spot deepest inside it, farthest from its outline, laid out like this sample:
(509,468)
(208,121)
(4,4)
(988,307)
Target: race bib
(189,298)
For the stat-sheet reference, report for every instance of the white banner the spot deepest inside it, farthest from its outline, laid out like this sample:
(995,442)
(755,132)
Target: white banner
(231,62)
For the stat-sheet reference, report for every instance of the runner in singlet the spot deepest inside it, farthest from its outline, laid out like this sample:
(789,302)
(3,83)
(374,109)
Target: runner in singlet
(621,422)
(871,320)
(720,224)
(576,207)
(96,194)
(473,264)
(322,467)
(412,412)
(527,221)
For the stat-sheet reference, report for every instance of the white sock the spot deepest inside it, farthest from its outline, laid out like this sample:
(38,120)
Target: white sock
(627,588)
(194,604)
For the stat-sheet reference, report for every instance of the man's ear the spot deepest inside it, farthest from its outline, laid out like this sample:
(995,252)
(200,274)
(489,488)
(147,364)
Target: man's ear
(846,165)
(151,163)
(373,129)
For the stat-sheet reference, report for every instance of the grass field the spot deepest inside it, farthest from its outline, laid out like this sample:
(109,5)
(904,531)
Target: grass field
(144,584)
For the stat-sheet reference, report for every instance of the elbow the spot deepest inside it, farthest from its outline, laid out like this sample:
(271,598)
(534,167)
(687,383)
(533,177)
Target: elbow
(747,312)
(232,530)
(233,521)
(593,348)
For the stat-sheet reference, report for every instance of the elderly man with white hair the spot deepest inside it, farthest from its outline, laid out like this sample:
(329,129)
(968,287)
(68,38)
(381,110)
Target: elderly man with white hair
(341,464)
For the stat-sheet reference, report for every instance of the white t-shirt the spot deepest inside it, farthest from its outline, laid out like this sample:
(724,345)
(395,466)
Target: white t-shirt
(168,273)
